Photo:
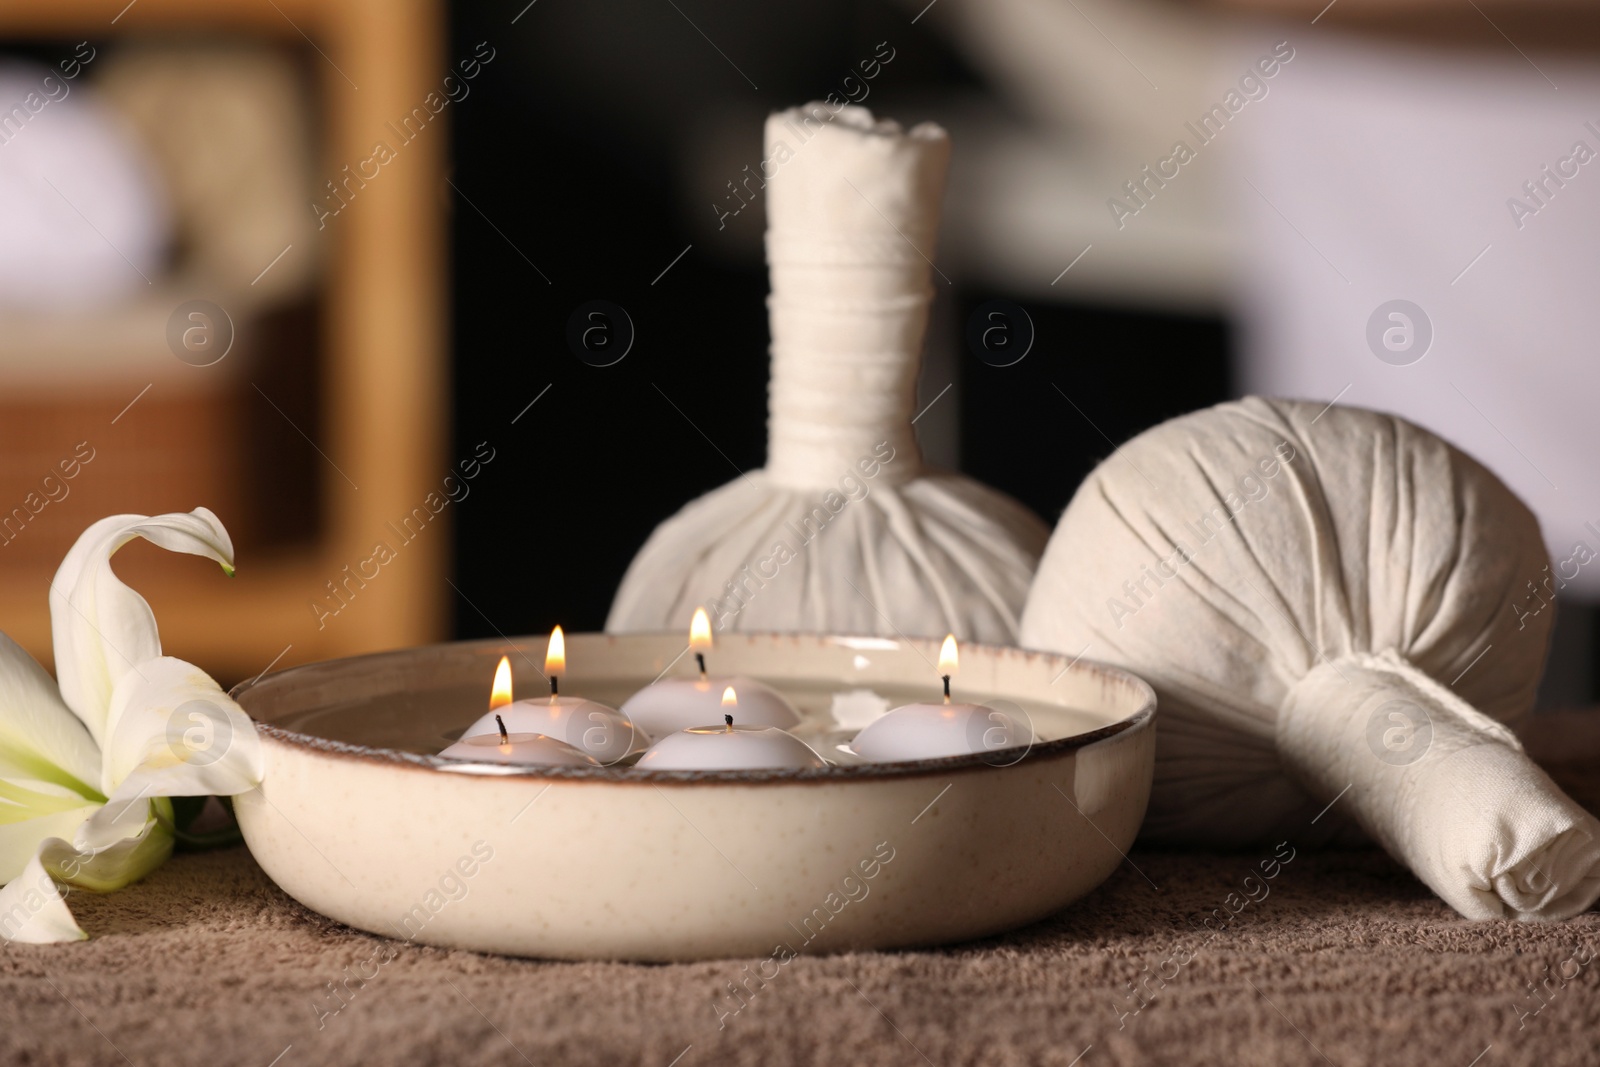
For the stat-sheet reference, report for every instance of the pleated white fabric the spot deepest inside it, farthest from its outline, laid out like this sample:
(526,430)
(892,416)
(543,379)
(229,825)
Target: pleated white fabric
(1338,611)
(844,530)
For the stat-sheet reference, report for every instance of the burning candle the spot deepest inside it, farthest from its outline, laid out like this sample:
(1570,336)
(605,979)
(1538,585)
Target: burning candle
(602,732)
(503,746)
(929,731)
(672,704)
(729,747)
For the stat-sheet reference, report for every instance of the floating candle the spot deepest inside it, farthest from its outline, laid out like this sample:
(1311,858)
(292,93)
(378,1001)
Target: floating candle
(504,746)
(602,732)
(729,747)
(672,704)
(929,731)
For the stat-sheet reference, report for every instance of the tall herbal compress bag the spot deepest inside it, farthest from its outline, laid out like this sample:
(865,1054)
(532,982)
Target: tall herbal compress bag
(844,530)
(1338,611)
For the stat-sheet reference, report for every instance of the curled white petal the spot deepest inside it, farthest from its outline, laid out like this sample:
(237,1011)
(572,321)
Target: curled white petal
(33,911)
(172,731)
(118,845)
(32,906)
(85,770)
(20,838)
(101,627)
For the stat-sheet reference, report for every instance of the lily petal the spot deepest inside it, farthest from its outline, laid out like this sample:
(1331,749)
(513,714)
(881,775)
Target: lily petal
(102,628)
(26,798)
(20,840)
(49,766)
(172,731)
(39,737)
(32,908)
(33,911)
(117,846)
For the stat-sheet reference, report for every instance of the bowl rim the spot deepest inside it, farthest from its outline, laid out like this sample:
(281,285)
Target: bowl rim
(1142,717)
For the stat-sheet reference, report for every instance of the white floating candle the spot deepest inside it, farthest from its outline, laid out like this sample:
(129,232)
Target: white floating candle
(680,703)
(930,731)
(526,748)
(729,747)
(602,732)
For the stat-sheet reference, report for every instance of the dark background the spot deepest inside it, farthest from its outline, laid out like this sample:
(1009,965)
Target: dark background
(570,147)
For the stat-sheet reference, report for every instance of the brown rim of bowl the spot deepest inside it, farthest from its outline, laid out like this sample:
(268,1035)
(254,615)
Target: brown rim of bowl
(1141,718)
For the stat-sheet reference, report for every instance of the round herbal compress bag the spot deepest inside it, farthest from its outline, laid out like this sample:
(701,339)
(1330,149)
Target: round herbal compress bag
(1337,610)
(844,530)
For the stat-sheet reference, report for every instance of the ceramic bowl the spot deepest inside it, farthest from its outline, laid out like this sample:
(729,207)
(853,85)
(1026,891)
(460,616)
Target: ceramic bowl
(358,821)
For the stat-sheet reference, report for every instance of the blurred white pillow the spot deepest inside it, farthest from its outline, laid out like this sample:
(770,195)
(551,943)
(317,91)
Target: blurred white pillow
(84,219)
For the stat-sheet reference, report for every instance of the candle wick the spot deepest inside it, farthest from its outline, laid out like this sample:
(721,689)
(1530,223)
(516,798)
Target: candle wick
(555,685)
(946,688)
(505,738)
(700,657)
(729,720)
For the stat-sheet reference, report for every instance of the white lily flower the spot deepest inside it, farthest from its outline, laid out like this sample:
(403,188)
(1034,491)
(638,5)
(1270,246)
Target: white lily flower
(87,762)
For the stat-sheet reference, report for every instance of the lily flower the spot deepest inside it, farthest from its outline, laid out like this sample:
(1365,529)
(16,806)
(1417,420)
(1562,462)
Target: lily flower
(87,761)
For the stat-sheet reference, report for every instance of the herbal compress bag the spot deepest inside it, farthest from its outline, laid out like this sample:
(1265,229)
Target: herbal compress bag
(1335,608)
(843,530)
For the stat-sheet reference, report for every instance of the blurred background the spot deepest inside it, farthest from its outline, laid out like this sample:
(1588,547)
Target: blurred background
(312,263)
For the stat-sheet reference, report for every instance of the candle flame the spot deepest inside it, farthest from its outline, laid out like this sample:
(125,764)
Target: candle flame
(555,657)
(500,695)
(947,655)
(700,631)
(730,699)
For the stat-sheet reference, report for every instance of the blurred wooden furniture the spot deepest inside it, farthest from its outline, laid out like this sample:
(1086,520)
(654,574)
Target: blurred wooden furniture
(382,374)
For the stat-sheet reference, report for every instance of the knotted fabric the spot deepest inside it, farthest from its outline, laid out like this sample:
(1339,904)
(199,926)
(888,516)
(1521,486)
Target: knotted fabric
(1344,618)
(844,530)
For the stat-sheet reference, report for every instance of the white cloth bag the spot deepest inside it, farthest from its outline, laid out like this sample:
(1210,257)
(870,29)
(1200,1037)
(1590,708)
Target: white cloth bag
(843,530)
(1338,611)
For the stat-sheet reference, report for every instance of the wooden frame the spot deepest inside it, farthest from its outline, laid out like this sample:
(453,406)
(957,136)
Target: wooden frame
(384,377)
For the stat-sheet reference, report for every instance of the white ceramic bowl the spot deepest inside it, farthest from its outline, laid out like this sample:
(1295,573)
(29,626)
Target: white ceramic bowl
(357,820)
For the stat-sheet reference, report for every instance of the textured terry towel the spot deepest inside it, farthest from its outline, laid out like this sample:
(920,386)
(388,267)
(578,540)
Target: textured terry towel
(207,963)
(1337,609)
(843,530)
